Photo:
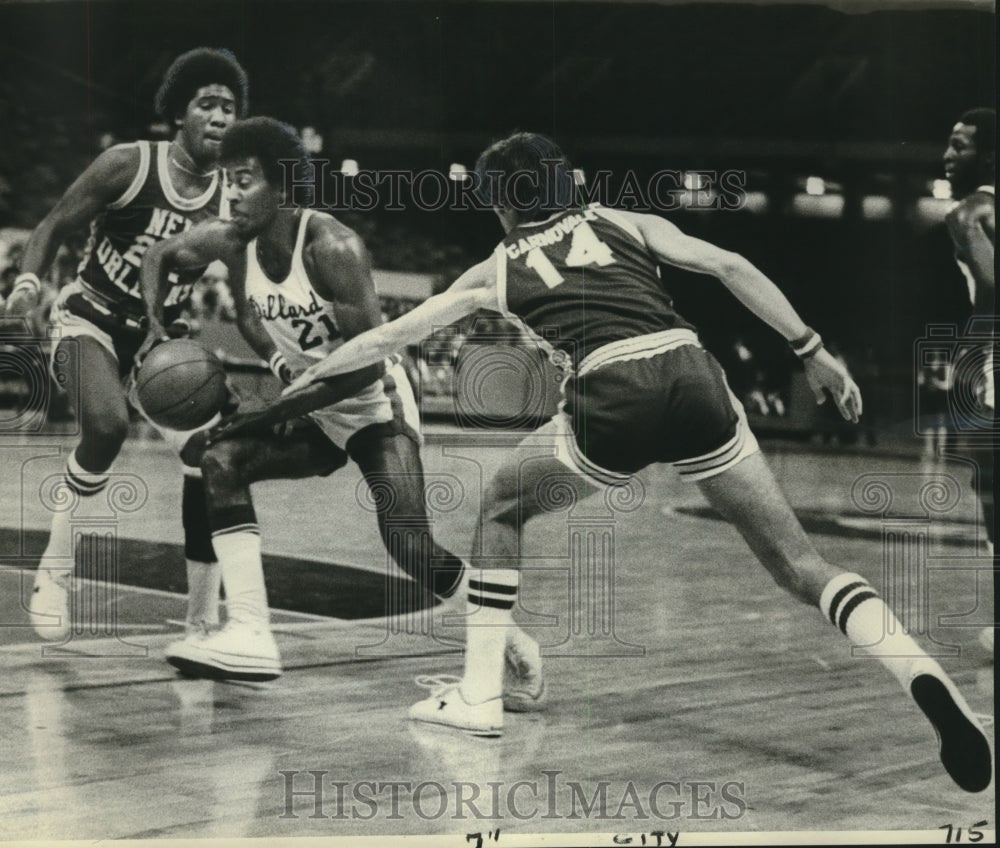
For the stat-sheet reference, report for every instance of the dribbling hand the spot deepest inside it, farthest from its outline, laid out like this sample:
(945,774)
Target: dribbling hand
(257,422)
(304,379)
(155,336)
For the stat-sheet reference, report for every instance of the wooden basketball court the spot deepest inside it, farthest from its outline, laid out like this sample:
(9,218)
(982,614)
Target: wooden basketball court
(687,692)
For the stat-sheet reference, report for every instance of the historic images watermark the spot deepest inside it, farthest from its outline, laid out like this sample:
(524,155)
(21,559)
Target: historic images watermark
(320,183)
(320,794)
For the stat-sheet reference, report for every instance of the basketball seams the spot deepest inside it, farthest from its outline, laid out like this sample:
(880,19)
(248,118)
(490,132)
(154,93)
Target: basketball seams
(167,395)
(176,405)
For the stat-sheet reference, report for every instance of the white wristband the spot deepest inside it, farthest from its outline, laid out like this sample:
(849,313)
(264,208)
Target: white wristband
(26,282)
(808,345)
(279,366)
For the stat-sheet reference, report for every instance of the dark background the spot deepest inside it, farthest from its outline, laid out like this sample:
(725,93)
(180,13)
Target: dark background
(865,100)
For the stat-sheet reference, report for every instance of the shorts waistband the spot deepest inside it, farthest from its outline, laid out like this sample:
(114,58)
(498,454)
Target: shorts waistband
(638,347)
(123,313)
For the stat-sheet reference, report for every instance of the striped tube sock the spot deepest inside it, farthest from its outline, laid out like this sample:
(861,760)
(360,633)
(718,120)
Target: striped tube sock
(853,606)
(236,539)
(85,484)
(492,594)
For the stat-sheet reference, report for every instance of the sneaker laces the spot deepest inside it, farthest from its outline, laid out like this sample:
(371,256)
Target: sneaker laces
(437,683)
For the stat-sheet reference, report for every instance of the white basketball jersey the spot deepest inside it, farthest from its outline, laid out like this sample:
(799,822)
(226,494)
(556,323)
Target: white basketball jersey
(301,324)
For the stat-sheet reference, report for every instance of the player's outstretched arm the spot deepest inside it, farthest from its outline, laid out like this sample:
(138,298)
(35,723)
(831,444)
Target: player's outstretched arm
(761,296)
(972,226)
(105,180)
(472,291)
(195,248)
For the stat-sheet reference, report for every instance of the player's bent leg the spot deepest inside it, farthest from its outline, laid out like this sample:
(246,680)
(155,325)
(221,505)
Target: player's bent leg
(245,648)
(391,465)
(89,372)
(392,468)
(532,481)
(502,663)
(90,375)
(204,576)
(748,496)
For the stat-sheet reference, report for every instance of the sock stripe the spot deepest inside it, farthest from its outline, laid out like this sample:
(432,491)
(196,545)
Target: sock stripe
(862,596)
(840,596)
(487,601)
(85,487)
(239,528)
(498,588)
(496,596)
(221,520)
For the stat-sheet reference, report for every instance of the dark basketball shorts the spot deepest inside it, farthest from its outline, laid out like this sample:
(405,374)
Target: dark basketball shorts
(659,398)
(75,315)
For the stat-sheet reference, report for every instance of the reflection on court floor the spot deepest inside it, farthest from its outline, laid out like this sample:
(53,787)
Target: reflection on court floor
(688,693)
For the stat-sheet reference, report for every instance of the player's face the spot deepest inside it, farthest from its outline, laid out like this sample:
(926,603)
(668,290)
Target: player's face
(961,159)
(253,201)
(210,113)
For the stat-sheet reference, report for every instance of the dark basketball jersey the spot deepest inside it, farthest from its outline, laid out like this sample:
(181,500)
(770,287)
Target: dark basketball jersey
(150,210)
(582,279)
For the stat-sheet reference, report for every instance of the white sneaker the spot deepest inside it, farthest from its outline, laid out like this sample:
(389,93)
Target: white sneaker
(49,605)
(523,685)
(200,628)
(965,750)
(237,652)
(447,706)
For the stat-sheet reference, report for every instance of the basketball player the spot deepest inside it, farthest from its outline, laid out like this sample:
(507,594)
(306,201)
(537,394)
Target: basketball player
(969,166)
(302,285)
(639,389)
(133,195)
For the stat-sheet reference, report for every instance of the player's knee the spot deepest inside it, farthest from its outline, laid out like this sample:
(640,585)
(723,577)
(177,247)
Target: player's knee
(108,430)
(222,463)
(503,510)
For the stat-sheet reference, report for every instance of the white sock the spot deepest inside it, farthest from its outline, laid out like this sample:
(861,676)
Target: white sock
(85,484)
(242,571)
(492,593)
(203,580)
(866,620)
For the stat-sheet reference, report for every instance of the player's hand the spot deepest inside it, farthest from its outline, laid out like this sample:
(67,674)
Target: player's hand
(20,304)
(257,422)
(824,374)
(25,296)
(306,378)
(179,328)
(156,335)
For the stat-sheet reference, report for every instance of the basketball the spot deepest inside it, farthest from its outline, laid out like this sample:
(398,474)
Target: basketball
(181,385)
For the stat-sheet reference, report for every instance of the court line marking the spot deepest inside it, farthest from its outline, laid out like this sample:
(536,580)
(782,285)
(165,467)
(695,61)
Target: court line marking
(145,590)
(111,684)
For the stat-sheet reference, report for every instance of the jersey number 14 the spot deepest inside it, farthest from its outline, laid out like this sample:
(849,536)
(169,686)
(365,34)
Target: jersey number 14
(584,249)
